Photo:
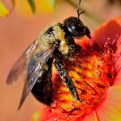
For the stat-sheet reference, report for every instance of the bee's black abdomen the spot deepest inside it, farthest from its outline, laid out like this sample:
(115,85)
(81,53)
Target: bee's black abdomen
(42,89)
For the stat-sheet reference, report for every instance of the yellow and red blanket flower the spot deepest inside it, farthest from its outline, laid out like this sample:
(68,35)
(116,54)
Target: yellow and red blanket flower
(96,74)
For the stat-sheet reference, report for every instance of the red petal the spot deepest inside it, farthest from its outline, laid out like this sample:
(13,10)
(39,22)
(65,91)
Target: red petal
(108,32)
(117,63)
(110,109)
(91,117)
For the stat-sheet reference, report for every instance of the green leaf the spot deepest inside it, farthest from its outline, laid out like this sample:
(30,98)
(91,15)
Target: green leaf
(32,5)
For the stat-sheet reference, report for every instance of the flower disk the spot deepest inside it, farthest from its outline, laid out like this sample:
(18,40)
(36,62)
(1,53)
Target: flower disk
(91,75)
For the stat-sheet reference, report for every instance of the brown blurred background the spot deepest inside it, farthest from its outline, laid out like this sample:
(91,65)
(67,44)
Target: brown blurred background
(17,32)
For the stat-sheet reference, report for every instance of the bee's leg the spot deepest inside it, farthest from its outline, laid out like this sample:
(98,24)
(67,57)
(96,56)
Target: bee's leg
(73,47)
(63,74)
(58,55)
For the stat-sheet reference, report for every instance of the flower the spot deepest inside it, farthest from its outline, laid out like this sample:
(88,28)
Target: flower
(96,74)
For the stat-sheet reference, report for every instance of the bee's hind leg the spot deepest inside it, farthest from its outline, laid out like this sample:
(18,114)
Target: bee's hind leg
(67,80)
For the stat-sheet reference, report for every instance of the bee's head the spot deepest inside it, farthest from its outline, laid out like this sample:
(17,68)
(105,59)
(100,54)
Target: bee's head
(74,25)
(76,28)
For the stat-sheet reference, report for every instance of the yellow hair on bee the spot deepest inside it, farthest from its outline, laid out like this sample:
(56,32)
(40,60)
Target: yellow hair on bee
(47,39)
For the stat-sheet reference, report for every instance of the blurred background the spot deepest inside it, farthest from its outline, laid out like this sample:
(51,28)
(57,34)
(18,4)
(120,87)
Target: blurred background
(22,26)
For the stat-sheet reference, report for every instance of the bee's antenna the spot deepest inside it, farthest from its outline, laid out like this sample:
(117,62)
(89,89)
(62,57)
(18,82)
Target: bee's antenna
(78,10)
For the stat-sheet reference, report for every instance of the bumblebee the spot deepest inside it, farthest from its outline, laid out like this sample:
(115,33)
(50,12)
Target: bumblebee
(53,46)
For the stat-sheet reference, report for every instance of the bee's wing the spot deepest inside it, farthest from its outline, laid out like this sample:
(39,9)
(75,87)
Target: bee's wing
(21,64)
(38,66)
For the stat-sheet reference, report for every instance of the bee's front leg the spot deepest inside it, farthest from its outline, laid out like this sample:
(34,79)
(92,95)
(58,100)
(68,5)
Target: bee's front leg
(67,80)
(73,47)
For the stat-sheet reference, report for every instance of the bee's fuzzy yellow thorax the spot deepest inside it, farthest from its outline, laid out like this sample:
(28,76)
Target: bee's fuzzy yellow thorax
(59,34)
